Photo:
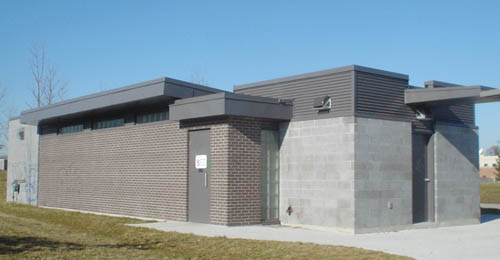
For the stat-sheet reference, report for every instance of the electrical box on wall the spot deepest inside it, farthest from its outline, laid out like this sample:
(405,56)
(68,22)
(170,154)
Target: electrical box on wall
(322,103)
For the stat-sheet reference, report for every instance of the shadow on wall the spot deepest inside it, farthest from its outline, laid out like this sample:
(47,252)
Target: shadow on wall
(462,114)
(469,147)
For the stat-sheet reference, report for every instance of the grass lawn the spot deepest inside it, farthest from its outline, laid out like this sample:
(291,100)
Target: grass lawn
(28,232)
(490,192)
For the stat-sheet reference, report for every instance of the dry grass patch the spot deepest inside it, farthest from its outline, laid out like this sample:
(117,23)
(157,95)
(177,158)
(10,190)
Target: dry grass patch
(490,192)
(28,232)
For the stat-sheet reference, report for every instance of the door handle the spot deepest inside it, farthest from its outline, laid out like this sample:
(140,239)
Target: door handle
(206,176)
(427,180)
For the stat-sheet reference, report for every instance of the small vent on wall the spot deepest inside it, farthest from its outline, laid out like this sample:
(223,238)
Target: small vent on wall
(322,103)
(20,133)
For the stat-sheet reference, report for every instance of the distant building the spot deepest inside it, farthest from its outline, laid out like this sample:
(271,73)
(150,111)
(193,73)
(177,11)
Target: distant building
(492,151)
(3,163)
(488,163)
(487,174)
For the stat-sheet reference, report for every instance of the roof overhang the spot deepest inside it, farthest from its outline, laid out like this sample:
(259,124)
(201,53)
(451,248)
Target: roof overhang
(230,104)
(158,89)
(451,95)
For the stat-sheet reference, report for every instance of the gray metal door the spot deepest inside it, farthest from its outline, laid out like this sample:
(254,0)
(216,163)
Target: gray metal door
(423,178)
(199,176)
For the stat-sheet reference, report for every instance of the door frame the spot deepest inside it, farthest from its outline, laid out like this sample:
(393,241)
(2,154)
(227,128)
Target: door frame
(429,178)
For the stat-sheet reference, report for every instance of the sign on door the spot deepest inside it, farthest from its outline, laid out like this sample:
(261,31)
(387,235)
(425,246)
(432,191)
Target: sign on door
(201,161)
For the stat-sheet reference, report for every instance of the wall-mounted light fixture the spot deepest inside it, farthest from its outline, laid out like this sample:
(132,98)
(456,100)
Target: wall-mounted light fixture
(422,115)
(322,103)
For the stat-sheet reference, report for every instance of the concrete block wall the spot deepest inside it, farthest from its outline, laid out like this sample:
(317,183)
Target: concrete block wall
(456,173)
(22,163)
(383,174)
(317,172)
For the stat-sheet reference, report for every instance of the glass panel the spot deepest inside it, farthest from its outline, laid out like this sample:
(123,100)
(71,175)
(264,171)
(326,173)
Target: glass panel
(71,129)
(152,117)
(110,123)
(270,174)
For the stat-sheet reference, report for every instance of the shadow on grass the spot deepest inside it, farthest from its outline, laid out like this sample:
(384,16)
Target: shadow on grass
(15,245)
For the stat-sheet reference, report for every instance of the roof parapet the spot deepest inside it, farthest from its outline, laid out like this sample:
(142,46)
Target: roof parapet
(230,104)
(321,73)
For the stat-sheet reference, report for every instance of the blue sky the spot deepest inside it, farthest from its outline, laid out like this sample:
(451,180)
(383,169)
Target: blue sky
(107,44)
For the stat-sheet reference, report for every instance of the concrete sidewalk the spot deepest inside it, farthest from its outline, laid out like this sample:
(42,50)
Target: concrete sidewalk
(463,242)
(490,206)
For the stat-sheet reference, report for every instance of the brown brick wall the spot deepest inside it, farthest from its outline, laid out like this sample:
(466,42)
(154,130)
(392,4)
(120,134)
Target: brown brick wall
(235,168)
(219,165)
(244,203)
(141,170)
(131,170)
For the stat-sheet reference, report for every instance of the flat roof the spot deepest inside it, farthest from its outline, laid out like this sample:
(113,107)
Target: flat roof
(161,87)
(438,84)
(321,73)
(451,95)
(231,104)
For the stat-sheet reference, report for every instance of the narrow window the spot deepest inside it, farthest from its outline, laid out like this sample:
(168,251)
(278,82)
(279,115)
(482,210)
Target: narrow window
(109,123)
(152,117)
(71,129)
(270,175)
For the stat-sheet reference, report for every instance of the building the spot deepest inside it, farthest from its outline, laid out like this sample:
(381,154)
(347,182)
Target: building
(488,161)
(487,164)
(487,174)
(351,148)
(3,163)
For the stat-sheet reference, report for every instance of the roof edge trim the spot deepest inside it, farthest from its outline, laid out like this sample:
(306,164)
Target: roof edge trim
(122,89)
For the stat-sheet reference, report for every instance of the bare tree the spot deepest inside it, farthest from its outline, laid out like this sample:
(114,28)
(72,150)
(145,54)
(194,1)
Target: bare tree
(54,89)
(3,94)
(47,87)
(198,78)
